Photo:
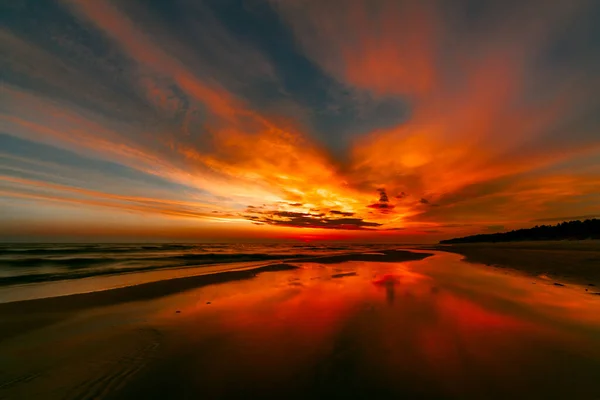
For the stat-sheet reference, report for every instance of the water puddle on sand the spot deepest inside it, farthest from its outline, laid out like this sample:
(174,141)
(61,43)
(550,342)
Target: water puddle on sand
(435,328)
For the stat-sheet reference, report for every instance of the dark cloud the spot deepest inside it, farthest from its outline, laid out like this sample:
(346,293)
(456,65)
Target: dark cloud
(293,214)
(401,195)
(345,214)
(308,220)
(424,201)
(383,205)
(383,197)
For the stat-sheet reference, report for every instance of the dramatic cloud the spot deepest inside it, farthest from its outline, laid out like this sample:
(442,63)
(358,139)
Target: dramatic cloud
(345,214)
(307,220)
(383,205)
(405,117)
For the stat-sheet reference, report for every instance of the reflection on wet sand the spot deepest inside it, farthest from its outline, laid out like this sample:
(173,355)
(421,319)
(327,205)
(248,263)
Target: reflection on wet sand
(433,328)
(416,329)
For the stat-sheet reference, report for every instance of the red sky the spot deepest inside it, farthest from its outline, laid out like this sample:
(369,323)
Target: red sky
(297,120)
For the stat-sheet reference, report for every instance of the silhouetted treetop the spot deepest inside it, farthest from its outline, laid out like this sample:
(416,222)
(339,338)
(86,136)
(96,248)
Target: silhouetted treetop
(572,230)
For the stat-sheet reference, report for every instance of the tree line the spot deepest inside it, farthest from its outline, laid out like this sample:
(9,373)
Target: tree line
(572,230)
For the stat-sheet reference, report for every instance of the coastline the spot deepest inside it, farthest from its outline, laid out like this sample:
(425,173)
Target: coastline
(19,316)
(568,262)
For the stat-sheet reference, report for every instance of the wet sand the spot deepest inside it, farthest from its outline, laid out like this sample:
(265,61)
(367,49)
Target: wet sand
(575,261)
(17,317)
(425,327)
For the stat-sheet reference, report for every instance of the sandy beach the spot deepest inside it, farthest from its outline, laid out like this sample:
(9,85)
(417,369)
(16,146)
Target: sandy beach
(21,316)
(396,323)
(576,261)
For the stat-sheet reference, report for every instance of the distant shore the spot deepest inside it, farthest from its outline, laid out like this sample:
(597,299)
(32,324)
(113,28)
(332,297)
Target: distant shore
(588,229)
(575,261)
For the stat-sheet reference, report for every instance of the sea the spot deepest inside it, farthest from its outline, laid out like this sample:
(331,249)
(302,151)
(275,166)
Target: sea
(24,265)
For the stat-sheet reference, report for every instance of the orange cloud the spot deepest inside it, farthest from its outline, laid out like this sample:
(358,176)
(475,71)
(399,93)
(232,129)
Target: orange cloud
(478,146)
(383,46)
(470,122)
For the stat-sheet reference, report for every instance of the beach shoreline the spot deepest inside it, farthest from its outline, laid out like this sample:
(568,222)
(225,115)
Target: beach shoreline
(17,317)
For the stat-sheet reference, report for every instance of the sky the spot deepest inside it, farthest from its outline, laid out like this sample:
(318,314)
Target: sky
(260,120)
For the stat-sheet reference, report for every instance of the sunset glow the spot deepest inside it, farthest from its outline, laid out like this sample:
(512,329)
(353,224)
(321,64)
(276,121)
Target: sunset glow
(296,120)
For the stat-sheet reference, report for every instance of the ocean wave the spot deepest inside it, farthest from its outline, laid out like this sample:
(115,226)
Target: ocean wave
(27,263)
(93,249)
